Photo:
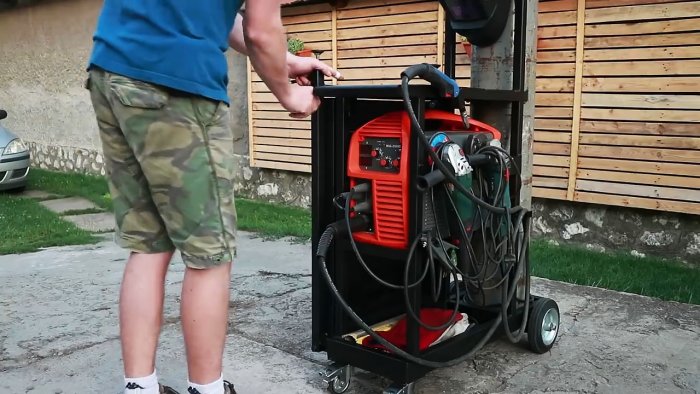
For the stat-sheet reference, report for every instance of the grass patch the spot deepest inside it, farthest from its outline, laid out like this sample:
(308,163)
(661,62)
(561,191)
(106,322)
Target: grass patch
(27,226)
(273,220)
(616,271)
(91,187)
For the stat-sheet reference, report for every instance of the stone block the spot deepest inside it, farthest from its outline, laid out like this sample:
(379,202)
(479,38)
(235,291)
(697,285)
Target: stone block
(68,204)
(93,222)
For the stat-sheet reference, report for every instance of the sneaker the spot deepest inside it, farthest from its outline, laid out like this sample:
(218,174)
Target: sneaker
(167,390)
(228,389)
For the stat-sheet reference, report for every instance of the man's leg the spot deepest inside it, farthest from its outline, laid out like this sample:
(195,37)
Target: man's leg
(141,311)
(204,310)
(139,228)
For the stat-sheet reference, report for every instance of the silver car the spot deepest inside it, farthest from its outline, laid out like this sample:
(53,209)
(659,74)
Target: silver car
(14,159)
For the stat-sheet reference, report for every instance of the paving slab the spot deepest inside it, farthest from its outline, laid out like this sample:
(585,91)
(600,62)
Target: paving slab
(68,204)
(39,195)
(94,222)
(59,332)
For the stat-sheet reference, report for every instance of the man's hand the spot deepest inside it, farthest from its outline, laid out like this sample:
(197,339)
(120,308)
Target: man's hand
(300,101)
(300,68)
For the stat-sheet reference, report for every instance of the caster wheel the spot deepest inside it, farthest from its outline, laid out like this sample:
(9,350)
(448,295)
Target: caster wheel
(338,385)
(543,325)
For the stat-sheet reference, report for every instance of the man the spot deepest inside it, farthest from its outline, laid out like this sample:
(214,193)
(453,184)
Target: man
(158,78)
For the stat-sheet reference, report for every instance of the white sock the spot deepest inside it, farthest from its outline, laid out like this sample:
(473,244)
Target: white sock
(144,385)
(215,387)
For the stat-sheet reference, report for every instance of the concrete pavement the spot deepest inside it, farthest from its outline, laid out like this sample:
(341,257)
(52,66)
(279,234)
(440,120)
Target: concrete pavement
(59,334)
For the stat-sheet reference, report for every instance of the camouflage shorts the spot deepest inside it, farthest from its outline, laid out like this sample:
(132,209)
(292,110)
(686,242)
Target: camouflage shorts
(169,158)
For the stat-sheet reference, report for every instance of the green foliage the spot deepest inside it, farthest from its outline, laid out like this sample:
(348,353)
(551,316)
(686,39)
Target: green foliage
(295,45)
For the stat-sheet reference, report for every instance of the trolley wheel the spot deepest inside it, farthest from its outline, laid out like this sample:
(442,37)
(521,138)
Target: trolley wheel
(543,325)
(338,385)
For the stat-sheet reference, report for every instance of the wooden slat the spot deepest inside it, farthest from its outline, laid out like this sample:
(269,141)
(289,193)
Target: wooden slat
(638,190)
(555,69)
(552,148)
(641,140)
(643,12)
(261,106)
(373,73)
(541,192)
(636,166)
(283,124)
(283,166)
(290,150)
(637,202)
(553,124)
(654,27)
(334,41)
(617,3)
(264,97)
(619,152)
(386,31)
(556,44)
(389,19)
(557,183)
(313,36)
(383,9)
(387,61)
(556,32)
(644,40)
(553,112)
(654,101)
(643,179)
(550,160)
(642,85)
(640,114)
(388,41)
(307,18)
(646,68)
(688,52)
(651,128)
(281,115)
(556,18)
(555,84)
(556,56)
(554,99)
(552,136)
(282,133)
(557,172)
(558,5)
(305,9)
(424,50)
(301,143)
(283,157)
(317,26)
(576,122)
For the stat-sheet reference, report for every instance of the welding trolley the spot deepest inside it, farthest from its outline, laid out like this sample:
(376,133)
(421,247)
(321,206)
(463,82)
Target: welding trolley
(421,245)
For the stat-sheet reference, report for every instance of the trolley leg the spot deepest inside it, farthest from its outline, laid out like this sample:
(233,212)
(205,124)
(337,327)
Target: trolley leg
(395,388)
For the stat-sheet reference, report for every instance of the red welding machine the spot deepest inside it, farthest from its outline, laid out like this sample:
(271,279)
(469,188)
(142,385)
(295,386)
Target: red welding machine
(379,154)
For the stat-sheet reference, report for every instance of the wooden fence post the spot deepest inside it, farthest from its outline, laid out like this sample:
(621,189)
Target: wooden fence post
(492,68)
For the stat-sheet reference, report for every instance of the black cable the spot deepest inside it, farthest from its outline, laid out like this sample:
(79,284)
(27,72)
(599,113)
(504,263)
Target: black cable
(322,249)
(362,261)
(449,175)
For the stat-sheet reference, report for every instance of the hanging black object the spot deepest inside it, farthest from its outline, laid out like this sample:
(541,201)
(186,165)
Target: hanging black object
(481,21)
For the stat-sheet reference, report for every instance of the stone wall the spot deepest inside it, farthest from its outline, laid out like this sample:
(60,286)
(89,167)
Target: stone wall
(637,231)
(44,51)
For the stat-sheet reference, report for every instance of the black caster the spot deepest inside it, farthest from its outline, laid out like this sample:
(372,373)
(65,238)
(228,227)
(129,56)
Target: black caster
(543,325)
(337,378)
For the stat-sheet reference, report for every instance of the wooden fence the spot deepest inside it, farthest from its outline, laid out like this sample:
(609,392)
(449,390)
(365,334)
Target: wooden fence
(617,103)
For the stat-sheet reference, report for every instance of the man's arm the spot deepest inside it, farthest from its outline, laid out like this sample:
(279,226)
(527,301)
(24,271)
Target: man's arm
(235,37)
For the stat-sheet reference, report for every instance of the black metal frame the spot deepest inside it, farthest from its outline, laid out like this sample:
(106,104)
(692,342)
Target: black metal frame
(343,110)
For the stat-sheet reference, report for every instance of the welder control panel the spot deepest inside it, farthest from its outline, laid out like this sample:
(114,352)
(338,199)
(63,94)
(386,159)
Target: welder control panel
(380,154)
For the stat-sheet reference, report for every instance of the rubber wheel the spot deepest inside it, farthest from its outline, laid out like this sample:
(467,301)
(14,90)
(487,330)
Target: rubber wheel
(543,325)
(338,386)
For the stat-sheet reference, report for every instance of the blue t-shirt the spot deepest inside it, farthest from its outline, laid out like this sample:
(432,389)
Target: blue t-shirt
(179,44)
